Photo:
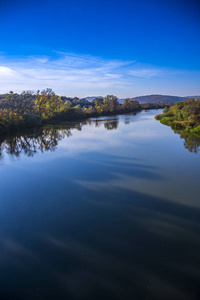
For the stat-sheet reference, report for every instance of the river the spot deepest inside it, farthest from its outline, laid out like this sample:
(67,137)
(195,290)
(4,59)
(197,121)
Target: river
(106,208)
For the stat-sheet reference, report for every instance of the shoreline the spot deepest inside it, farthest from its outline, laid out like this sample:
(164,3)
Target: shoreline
(15,129)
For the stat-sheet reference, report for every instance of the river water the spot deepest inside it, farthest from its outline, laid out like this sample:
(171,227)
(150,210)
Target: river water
(107,208)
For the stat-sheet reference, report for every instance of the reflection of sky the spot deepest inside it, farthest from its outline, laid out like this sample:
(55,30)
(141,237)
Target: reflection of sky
(166,166)
(115,211)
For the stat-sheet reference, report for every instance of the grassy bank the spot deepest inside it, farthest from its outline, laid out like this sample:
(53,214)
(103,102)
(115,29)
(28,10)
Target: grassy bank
(183,116)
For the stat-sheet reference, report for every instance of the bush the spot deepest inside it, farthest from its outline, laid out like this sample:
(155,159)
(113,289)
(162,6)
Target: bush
(32,120)
(159,117)
(178,125)
(167,121)
(195,130)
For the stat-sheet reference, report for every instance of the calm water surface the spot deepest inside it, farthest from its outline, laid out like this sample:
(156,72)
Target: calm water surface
(108,208)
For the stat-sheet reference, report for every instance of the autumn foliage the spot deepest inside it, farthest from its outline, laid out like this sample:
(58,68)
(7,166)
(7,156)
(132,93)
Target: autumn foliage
(30,109)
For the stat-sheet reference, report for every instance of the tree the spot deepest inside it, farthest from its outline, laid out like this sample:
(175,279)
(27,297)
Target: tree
(99,109)
(24,103)
(127,104)
(111,102)
(40,103)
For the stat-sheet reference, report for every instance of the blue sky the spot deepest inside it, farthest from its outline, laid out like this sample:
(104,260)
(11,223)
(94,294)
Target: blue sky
(84,48)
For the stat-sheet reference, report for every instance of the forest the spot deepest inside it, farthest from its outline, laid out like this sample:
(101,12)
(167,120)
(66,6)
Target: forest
(30,109)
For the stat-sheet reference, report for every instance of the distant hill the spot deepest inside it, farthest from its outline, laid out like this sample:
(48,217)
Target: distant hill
(153,98)
(162,98)
(195,97)
(93,97)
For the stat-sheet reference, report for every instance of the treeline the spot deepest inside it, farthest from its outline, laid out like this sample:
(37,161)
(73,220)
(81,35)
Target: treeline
(183,115)
(30,109)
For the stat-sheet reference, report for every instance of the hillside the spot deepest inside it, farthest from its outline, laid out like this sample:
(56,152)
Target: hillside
(153,98)
(161,98)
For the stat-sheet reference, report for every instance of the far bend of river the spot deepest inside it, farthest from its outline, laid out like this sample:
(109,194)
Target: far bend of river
(103,209)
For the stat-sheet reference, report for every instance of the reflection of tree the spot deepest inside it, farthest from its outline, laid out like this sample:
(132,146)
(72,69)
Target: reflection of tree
(40,139)
(111,124)
(32,141)
(191,142)
(46,138)
(127,120)
(35,140)
(97,123)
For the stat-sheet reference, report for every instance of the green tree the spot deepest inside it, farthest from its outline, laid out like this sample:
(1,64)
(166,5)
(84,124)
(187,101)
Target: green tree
(111,103)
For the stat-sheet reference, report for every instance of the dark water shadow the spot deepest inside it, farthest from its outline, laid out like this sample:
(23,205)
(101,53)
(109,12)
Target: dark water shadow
(119,245)
(102,167)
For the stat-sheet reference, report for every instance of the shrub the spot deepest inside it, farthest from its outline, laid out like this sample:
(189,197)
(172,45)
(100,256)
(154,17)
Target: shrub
(31,120)
(167,121)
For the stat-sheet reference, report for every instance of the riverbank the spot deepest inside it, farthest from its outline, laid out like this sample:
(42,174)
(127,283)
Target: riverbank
(30,121)
(183,116)
(28,110)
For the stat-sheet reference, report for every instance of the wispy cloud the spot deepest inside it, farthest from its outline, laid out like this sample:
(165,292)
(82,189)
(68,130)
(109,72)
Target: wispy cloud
(144,73)
(78,75)
(67,72)
(7,72)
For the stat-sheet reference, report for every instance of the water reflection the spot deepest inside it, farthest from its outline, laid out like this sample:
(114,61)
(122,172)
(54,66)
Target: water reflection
(30,142)
(119,220)
(47,138)
(112,124)
(191,142)
(41,139)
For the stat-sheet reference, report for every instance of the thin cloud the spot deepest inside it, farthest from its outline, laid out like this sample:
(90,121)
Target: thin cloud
(7,72)
(67,70)
(41,60)
(82,75)
(144,73)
